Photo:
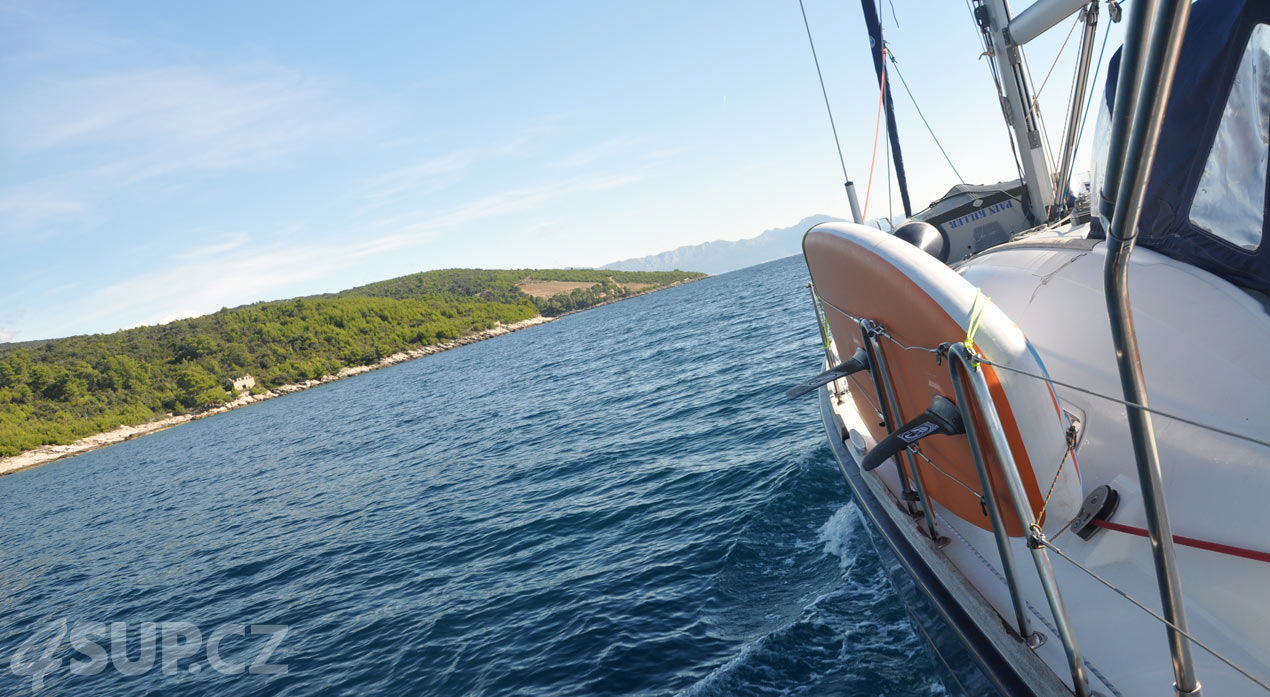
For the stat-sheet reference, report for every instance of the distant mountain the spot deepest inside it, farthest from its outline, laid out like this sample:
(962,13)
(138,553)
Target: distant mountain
(721,256)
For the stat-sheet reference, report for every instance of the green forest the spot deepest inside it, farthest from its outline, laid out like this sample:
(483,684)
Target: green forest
(59,390)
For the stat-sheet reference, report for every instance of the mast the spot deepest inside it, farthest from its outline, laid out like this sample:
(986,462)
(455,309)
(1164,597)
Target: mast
(879,64)
(1021,116)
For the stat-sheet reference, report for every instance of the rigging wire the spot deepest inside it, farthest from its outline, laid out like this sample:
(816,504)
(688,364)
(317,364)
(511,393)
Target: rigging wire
(1055,63)
(1040,120)
(922,116)
(1071,92)
(1084,119)
(1036,103)
(996,81)
(824,92)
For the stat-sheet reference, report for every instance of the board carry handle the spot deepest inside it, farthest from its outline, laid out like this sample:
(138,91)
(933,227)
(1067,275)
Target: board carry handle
(942,417)
(857,362)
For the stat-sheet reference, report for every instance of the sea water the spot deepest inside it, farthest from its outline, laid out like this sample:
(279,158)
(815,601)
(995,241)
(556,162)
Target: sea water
(620,502)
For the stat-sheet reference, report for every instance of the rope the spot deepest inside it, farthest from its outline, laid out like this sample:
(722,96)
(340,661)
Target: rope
(876,130)
(824,92)
(929,130)
(1218,547)
(1071,446)
(1260,683)
(1039,538)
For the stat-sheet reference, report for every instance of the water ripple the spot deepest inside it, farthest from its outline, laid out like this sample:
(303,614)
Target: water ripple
(616,503)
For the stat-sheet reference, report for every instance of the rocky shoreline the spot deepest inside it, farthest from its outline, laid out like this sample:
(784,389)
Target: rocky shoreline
(49,453)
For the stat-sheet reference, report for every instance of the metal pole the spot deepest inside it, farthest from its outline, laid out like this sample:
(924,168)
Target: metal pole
(1078,102)
(830,358)
(1160,61)
(892,408)
(866,332)
(1018,103)
(1033,639)
(1040,17)
(1018,496)
(856,216)
(1126,99)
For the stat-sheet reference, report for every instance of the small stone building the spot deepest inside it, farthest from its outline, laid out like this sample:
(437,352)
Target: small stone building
(243,383)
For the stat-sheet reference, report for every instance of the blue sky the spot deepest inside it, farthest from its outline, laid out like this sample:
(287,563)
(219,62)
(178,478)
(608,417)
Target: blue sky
(163,160)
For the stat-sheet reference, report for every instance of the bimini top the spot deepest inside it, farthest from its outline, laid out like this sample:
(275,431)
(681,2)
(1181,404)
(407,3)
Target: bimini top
(1205,202)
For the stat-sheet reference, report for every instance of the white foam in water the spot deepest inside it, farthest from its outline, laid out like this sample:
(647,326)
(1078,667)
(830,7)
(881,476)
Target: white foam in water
(847,610)
(705,685)
(841,534)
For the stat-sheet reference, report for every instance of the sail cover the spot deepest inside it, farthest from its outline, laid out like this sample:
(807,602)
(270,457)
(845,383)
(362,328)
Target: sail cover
(1205,201)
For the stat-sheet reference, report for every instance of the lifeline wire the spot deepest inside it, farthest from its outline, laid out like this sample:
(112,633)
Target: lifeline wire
(1049,545)
(1127,403)
(979,358)
(841,161)
(1149,611)
(918,451)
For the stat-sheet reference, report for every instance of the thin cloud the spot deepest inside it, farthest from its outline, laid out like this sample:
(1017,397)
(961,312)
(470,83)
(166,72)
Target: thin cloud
(161,108)
(229,243)
(391,185)
(242,273)
(433,173)
(421,226)
(600,151)
(189,289)
(119,130)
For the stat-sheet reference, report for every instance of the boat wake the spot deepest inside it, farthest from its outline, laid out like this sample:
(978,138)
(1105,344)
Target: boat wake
(851,638)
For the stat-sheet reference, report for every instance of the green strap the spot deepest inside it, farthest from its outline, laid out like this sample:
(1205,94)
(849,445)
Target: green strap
(976,313)
(824,320)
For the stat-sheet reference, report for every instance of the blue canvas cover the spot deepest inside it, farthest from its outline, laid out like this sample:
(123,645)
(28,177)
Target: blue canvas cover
(1216,37)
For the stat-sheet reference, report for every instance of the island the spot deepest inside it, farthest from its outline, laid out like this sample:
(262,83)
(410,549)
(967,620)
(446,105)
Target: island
(60,397)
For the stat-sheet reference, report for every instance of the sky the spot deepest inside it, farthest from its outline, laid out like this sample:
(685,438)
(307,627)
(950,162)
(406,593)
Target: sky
(164,160)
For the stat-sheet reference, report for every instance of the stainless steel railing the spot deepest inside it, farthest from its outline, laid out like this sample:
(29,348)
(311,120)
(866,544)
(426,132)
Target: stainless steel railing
(963,369)
(893,418)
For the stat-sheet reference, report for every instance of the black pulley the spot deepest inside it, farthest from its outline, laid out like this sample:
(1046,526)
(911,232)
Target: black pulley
(1099,505)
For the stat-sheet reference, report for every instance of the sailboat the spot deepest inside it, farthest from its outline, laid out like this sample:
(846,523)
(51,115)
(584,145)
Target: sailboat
(1061,435)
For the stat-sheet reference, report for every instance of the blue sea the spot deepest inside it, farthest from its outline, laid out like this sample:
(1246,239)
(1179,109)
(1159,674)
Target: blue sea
(620,502)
